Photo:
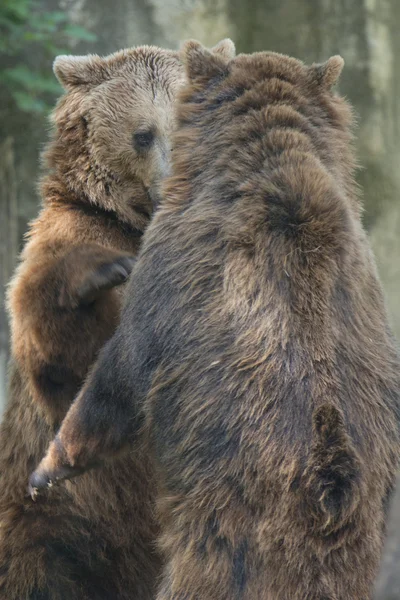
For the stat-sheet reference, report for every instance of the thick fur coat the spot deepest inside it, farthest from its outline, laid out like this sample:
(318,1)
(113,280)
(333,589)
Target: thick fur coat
(93,540)
(255,347)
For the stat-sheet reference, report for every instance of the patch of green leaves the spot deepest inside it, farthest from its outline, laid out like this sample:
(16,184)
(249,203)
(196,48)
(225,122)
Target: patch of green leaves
(26,23)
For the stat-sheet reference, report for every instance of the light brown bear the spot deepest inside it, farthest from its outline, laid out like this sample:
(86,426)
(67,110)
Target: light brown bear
(109,152)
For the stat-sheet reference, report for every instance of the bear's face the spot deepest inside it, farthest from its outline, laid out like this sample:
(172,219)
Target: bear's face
(131,119)
(122,111)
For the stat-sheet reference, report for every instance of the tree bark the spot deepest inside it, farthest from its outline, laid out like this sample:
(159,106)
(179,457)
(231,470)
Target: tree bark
(8,246)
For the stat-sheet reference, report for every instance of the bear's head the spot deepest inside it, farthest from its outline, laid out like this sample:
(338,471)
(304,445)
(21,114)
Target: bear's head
(224,122)
(113,126)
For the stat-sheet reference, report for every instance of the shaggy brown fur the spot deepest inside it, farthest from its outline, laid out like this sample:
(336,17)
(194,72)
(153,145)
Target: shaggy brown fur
(255,346)
(111,147)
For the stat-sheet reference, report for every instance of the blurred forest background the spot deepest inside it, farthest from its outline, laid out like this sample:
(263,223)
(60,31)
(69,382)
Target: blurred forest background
(364,32)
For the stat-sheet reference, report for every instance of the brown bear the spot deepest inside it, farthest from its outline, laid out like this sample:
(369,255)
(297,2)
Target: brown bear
(254,348)
(109,152)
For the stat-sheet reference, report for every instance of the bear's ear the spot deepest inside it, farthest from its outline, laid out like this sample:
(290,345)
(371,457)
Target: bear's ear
(328,73)
(201,63)
(72,71)
(225,48)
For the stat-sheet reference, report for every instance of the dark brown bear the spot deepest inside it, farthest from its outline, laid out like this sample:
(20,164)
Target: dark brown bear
(255,347)
(111,147)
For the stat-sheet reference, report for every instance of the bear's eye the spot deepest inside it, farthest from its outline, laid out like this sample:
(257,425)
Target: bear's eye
(142,140)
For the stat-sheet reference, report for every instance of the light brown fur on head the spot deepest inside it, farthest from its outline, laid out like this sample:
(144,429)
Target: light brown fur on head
(115,122)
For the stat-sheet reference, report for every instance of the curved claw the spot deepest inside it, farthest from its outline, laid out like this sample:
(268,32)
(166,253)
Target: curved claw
(42,479)
(53,468)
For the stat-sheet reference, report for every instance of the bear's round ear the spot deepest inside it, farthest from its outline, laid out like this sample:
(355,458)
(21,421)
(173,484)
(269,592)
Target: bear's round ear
(201,63)
(225,48)
(328,73)
(72,71)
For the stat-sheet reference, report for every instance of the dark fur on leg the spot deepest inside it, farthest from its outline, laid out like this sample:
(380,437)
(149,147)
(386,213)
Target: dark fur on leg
(332,478)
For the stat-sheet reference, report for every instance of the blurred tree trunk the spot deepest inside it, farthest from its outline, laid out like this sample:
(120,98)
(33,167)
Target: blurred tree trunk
(388,584)
(8,246)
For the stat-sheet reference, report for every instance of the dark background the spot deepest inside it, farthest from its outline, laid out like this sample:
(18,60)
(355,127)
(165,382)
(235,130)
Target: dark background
(364,32)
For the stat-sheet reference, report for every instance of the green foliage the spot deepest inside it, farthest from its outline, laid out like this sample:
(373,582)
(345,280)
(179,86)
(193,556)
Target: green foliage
(26,23)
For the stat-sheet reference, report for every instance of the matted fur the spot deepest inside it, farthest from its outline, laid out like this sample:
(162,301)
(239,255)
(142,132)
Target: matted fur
(255,345)
(93,540)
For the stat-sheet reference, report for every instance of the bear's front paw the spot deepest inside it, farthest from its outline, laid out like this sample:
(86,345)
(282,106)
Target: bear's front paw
(42,479)
(89,270)
(53,468)
(105,277)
